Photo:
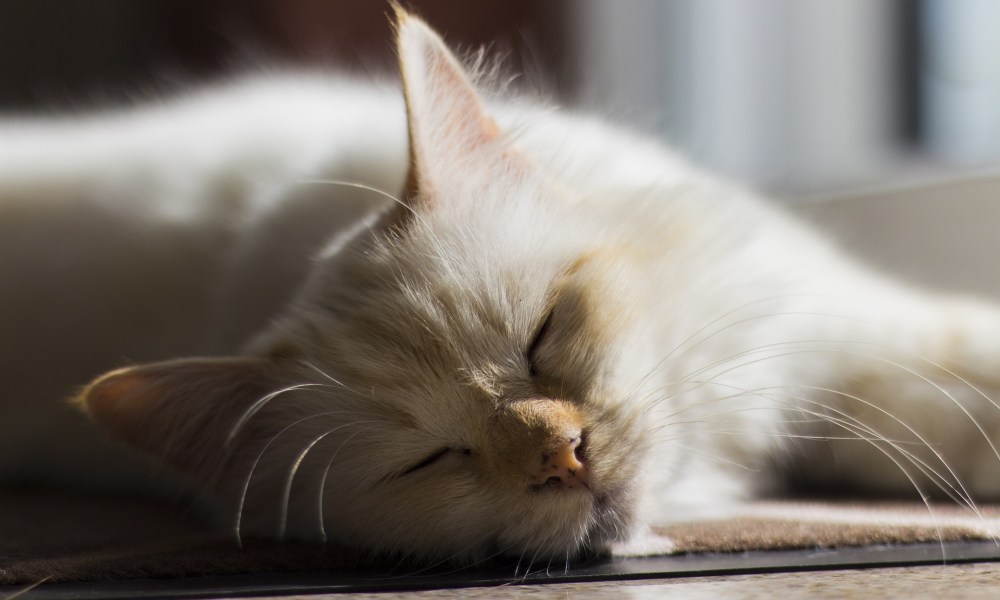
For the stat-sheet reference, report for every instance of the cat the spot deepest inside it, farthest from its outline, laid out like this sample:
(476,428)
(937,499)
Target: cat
(444,326)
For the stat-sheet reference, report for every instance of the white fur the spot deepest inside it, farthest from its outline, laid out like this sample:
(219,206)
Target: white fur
(707,328)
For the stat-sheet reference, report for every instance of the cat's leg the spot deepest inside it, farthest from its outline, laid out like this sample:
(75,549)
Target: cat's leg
(645,541)
(913,405)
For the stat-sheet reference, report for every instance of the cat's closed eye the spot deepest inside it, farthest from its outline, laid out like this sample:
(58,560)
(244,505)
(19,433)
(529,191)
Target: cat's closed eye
(532,352)
(435,457)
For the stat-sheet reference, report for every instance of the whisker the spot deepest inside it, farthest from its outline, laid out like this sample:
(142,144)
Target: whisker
(963,496)
(952,488)
(361,186)
(739,308)
(325,375)
(531,563)
(927,380)
(438,248)
(287,488)
(461,568)
(322,481)
(888,361)
(701,330)
(961,491)
(716,457)
(256,462)
(517,567)
(26,589)
(854,426)
(259,404)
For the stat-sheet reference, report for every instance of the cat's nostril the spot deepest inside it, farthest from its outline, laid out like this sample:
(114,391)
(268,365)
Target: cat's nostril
(573,454)
(580,450)
(547,440)
(564,465)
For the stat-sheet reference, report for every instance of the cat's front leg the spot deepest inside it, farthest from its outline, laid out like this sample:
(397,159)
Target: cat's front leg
(646,541)
(915,410)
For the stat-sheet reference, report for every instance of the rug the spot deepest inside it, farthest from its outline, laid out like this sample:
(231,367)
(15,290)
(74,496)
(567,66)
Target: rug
(46,535)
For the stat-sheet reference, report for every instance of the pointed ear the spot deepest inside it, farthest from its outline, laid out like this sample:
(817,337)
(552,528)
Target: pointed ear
(179,411)
(448,128)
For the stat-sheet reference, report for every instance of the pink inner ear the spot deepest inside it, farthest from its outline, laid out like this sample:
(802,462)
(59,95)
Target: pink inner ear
(453,95)
(447,125)
(179,410)
(113,399)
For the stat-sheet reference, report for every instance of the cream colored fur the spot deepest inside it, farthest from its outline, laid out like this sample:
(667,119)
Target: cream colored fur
(406,339)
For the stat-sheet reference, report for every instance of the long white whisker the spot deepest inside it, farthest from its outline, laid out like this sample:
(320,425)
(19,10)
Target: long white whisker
(960,490)
(715,457)
(361,186)
(734,311)
(21,592)
(963,496)
(451,558)
(701,330)
(325,375)
(895,364)
(259,404)
(927,380)
(854,426)
(520,558)
(256,462)
(438,248)
(322,482)
(287,488)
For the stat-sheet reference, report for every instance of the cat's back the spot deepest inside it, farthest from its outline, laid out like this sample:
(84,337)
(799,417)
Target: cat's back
(251,126)
(174,228)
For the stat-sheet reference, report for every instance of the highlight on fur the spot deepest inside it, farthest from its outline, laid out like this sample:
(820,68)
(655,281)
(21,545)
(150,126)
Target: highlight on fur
(558,335)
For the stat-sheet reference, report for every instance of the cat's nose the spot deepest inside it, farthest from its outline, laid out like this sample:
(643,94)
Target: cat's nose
(563,466)
(543,440)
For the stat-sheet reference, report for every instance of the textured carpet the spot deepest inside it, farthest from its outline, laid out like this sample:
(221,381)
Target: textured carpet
(95,538)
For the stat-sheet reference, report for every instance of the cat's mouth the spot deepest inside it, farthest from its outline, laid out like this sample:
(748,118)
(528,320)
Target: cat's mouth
(554,483)
(587,539)
(594,518)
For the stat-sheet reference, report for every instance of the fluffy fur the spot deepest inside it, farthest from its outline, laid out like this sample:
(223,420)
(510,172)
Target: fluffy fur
(452,330)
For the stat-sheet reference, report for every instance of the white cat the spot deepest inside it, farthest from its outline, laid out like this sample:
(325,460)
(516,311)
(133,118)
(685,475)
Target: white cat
(535,336)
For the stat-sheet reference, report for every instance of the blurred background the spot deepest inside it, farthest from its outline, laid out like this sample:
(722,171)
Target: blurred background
(799,96)
(805,99)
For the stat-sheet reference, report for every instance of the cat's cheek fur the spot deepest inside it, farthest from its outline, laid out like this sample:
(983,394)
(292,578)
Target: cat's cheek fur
(461,517)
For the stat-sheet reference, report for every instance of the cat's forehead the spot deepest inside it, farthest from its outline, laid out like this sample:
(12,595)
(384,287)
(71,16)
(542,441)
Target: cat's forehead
(498,228)
(467,281)
(500,256)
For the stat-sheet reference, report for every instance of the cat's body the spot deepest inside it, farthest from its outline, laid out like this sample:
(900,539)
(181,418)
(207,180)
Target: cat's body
(562,333)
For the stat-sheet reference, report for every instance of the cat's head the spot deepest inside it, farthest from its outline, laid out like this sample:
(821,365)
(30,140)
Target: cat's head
(452,382)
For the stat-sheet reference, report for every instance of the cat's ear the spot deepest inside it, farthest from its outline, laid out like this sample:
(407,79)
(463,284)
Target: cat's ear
(178,411)
(449,132)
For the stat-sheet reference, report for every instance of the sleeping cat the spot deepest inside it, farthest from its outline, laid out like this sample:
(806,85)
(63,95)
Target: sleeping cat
(452,328)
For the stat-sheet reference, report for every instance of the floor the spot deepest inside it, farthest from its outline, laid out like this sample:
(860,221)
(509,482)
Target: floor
(967,581)
(956,570)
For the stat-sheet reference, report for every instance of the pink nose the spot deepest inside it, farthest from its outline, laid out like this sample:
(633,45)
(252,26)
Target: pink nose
(563,467)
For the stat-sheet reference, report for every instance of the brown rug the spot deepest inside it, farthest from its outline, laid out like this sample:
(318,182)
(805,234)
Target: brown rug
(100,538)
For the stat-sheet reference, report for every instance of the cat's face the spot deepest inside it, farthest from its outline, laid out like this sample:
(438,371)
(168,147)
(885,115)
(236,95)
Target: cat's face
(463,370)
(452,382)
(471,344)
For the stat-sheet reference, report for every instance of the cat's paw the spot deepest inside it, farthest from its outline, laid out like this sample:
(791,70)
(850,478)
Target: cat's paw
(644,543)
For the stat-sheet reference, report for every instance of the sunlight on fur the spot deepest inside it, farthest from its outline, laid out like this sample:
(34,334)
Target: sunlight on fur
(449,327)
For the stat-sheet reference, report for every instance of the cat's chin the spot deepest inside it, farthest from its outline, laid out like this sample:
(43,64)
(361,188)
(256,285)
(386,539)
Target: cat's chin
(608,520)
(549,526)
